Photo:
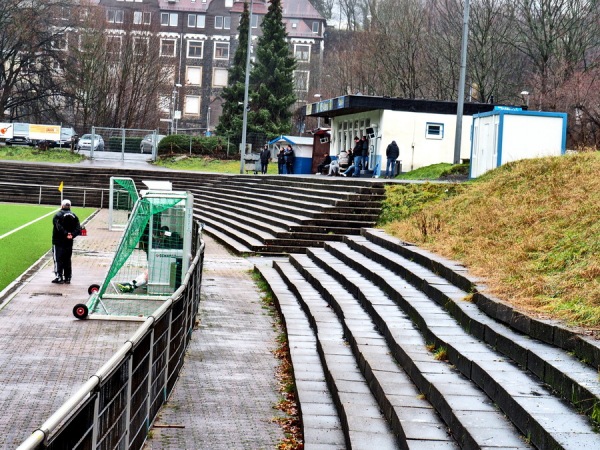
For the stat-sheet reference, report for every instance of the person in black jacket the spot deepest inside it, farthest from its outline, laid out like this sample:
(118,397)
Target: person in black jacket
(265,156)
(280,160)
(357,152)
(66,227)
(290,158)
(392,152)
(324,165)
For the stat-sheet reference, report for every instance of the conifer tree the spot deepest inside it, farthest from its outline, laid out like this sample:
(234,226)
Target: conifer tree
(272,77)
(230,122)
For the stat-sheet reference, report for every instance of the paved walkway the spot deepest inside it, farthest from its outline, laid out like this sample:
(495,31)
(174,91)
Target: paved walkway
(225,395)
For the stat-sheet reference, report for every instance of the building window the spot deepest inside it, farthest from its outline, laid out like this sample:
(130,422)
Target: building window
(168,19)
(301,80)
(59,42)
(221,50)
(113,45)
(222,22)
(167,47)
(196,20)
(192,105)
(195,49)
(114,15)
(140,17)
(141,45)
(254,21)
(302,52)
(228,3)
(315,27)
(219,77)
(164,103)
(193,76)
(434,130)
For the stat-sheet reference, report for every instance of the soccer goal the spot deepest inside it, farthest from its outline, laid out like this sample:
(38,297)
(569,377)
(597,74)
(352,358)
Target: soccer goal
(151,260)
(123,196)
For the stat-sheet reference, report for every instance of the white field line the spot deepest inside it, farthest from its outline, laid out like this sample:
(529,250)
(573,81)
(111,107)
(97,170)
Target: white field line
(27,224)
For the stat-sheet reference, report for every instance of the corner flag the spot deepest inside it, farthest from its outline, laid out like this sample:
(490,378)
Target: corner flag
(60,187)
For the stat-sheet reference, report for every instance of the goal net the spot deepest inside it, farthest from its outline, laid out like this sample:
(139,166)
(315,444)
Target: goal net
(123,195)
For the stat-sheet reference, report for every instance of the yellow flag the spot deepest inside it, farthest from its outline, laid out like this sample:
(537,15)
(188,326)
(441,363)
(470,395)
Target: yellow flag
(60,186)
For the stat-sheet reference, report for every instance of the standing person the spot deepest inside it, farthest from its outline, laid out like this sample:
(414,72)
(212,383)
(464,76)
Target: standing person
(391,152)
(280,160)
(265,156)
(66,227)
(357,152)
(290,157)
(365,152)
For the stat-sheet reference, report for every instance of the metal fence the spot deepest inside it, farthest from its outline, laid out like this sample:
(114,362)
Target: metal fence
(45,194)
(126,143)
(115,408)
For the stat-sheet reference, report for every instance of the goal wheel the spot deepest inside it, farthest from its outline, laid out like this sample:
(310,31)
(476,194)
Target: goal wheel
(93,288)
(80,311)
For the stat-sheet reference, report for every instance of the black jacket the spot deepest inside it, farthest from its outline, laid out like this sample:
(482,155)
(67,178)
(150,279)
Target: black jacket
(65,221)
(265,155)
(365,147)
(392,151)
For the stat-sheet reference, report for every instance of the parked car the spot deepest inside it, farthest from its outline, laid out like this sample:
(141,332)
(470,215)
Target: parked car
(146,144)
(20,140)
(85,142)
(66,134)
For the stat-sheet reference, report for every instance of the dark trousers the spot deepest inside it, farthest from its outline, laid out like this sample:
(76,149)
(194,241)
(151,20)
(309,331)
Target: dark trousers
(62,260)
(289,167)
(280,167)
(264,166)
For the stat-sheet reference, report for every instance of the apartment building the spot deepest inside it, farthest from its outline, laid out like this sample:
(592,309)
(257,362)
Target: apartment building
(200,37)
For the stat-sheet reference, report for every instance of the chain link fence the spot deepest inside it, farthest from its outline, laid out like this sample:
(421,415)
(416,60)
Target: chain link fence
(120,143)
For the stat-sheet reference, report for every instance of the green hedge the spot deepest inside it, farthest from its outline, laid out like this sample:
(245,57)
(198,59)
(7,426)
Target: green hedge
(132,144)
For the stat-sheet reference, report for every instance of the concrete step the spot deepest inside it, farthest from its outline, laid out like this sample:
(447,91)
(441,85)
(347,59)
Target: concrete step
(527,402)
(436,380)
(362,420)
(321,424)
(575,381)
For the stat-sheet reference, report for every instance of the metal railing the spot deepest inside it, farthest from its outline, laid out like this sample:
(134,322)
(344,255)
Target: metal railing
(49,195)
(116,407)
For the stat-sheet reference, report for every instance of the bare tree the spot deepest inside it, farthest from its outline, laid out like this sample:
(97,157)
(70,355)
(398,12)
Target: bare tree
(114,79)
(398,30)
(556,36)
(32,44)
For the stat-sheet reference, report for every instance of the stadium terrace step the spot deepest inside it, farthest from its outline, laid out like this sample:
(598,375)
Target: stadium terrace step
(247,213)
(320,422)
(499,387)
(362,420)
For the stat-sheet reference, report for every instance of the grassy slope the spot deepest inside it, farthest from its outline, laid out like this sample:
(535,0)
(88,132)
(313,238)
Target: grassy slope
(59,155)
(530,229)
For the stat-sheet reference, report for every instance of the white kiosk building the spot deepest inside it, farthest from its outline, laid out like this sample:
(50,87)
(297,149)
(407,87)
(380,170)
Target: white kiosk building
(423,129)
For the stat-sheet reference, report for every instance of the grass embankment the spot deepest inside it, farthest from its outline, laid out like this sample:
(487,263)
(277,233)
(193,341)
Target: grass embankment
(206,164)
(18,251)
(530,229)
(57,155)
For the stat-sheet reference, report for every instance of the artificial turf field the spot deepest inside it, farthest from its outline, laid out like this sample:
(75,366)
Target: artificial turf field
(20,248)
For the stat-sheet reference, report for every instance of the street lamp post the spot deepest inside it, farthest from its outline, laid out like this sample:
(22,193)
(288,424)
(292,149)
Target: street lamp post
(246,83)
(461,84)
(525,95)
(208,122)
(318,97)
(174,107)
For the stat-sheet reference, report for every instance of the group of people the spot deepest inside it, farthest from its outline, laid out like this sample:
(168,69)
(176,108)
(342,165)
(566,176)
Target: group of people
(285,159)
(358,158)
